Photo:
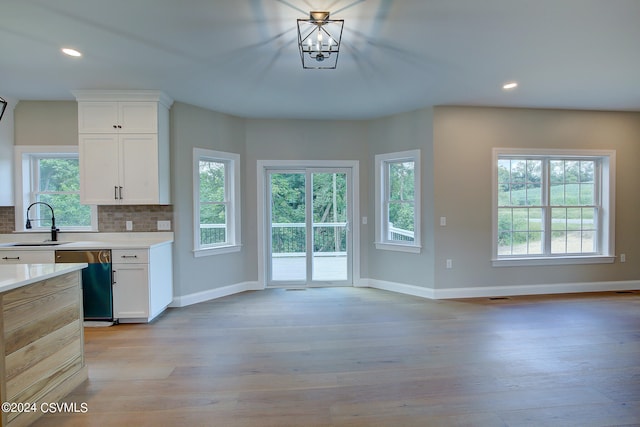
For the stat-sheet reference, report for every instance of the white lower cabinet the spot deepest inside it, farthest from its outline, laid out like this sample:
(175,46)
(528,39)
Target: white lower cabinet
(26,257)
(142,283)
(130,291)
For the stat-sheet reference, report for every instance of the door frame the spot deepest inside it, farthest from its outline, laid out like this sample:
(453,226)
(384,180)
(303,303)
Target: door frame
(262,169)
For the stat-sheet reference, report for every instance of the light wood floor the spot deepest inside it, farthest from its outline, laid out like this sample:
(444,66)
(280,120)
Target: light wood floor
(365,357)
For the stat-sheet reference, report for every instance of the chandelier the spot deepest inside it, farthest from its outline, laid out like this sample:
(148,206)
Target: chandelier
(3,106)
(319,40)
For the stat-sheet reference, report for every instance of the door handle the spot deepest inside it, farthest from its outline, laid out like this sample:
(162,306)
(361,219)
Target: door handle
(120,191)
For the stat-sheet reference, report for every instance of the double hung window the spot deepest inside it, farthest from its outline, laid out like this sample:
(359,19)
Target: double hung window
(217,202)
(553,205)
(51,175)
(398,201)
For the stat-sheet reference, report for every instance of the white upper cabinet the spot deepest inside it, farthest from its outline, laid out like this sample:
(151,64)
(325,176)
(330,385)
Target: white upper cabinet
(123,147)
(122,117)
(119,169)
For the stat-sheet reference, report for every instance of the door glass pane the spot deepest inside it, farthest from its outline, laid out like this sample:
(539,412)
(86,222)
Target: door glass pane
(329,200)
(288,230)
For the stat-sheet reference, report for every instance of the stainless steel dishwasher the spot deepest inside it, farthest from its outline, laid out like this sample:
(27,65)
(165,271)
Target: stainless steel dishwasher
(97,281)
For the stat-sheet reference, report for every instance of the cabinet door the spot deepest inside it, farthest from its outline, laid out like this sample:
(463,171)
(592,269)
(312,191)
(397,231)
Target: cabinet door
(138,117)
(99,174)
(131,291)
(139,169)
(26,257)
(98,117)
(111,116)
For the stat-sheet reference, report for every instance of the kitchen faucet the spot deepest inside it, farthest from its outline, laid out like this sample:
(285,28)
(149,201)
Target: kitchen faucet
(54,230)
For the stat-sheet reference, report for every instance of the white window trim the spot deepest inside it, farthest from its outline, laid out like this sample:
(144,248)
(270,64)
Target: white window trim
(232,183)
(381,160)
(22,185)
(607,233)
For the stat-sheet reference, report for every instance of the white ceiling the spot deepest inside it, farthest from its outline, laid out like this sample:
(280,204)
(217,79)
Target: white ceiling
(240,56)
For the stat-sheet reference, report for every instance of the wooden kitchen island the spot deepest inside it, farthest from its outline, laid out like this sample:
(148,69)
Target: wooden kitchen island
(42,342)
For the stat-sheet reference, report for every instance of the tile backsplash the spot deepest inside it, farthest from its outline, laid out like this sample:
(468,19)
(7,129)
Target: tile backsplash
(7,219)
(111,219)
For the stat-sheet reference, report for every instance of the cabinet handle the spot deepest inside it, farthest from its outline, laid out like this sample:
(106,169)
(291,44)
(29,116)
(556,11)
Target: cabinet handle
(113,277)
(8,258)
(115,127)
(119,127)
(115,192)
(120,191)
(129,256)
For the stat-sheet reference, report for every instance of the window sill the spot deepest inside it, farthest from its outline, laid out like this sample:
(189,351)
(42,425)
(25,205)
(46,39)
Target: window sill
(218,250)
(414,249)
(569,260)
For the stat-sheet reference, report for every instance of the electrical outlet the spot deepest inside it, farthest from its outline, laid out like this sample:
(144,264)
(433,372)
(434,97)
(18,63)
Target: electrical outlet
(164,225)
(364,220)
(443,221)
(623,258)
(449,264)
(129,225)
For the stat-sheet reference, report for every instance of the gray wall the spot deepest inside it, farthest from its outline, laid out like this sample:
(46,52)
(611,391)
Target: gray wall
(46,123)
(455,144)
(407,131)
(196,127)
(301,140)
(463,142)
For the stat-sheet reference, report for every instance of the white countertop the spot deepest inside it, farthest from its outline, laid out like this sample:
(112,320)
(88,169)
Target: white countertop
(13,276)
(87,241)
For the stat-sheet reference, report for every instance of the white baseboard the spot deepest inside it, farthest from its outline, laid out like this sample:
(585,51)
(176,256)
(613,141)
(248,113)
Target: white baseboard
(555,288)
(501,291)
(402,288)
(185,300)
(419,291)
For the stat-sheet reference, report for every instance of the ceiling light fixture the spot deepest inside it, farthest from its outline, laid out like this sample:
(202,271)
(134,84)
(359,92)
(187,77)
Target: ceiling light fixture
(3,106)
(71,52)
(319,40)
(510,85)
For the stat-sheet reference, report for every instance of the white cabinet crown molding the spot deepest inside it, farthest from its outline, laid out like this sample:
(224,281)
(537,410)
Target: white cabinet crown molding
(123,95)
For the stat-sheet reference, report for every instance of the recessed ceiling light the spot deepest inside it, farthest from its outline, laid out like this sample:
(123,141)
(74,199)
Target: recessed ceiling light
(510,85)
(71,52)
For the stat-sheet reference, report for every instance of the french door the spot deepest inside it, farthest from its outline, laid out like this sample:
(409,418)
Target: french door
(309,215)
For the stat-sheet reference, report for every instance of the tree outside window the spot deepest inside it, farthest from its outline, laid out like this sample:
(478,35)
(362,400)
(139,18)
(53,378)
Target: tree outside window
(216,183)
(213,203)
(555,204)
(398,201)
(57,182)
